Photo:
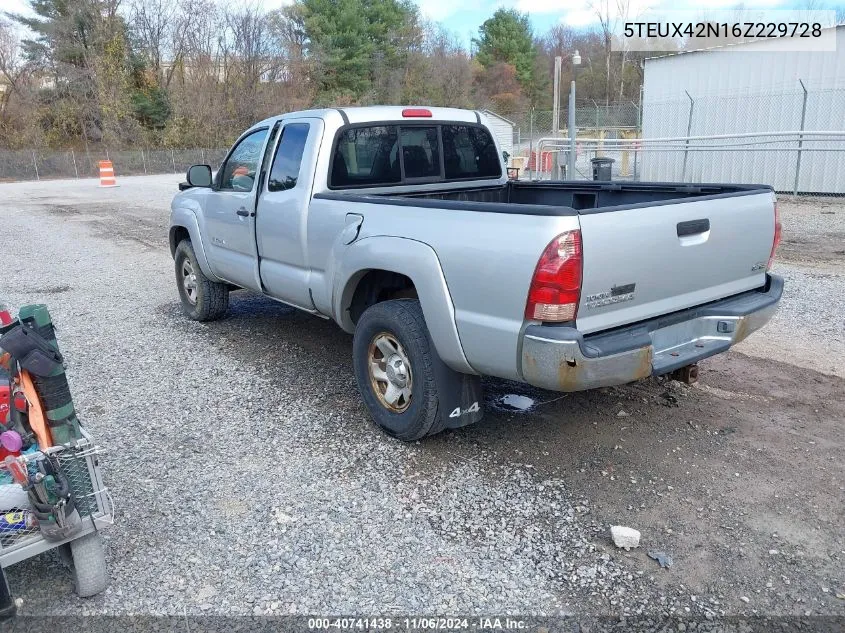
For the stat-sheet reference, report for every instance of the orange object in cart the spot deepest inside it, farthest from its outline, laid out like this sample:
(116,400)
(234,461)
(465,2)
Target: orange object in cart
(35,414)
(107,178)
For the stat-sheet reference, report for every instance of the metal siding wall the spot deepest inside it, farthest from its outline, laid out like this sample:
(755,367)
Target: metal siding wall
(747,90)
(503,131)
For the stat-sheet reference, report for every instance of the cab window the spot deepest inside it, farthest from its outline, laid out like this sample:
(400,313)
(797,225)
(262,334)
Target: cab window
(288,160)
(241,167)
(420,152)
(366,156)
(369,156)
(470,152)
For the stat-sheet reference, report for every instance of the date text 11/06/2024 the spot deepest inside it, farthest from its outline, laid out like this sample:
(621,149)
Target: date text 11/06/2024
(418,624)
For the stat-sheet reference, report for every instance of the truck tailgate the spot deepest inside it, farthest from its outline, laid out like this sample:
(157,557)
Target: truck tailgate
(646,261)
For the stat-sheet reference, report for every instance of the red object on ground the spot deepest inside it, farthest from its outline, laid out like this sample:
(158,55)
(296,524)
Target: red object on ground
(5,315)
(541,163)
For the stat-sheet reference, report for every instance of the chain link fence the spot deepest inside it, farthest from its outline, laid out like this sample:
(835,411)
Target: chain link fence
(540,123)
(792,140)
(38,164)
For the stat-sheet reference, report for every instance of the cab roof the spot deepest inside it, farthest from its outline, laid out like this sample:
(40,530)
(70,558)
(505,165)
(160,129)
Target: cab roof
(375,114)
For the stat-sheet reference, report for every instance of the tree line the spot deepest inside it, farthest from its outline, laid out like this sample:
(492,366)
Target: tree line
(194,73)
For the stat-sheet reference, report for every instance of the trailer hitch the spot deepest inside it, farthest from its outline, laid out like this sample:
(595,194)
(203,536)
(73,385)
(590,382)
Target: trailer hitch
(688,374)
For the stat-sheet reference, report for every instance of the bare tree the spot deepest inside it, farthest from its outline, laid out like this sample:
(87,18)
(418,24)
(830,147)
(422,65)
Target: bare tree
(606,14)
(13,68)
(623,10)
(154,23)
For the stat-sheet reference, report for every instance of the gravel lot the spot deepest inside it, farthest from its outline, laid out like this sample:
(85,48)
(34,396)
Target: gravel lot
(249,480)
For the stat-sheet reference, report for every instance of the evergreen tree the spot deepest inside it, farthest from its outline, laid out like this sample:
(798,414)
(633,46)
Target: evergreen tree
(352,40)
(506,38)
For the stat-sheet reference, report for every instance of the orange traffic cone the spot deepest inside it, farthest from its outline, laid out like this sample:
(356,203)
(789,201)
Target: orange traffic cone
(107,178)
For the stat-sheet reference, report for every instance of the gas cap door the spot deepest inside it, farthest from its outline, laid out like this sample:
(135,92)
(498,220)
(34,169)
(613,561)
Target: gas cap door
(352,228)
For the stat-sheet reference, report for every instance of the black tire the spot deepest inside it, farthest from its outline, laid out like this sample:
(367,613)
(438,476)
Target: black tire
(403,320)
(211,299)
(89,565)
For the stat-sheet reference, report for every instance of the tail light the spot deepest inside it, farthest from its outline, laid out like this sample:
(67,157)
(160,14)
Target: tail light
(416,113)
(556,286)
(776,239)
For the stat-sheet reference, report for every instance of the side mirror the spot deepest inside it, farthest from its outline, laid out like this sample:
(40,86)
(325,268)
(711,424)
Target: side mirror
(199,176)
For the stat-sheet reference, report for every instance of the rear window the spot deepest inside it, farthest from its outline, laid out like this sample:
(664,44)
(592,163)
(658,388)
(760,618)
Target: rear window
(469,152)
(370,156)
(366,156)
(420,152)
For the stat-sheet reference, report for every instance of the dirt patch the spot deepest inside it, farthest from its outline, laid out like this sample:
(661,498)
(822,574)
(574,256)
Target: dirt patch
(813,231)
(741,482)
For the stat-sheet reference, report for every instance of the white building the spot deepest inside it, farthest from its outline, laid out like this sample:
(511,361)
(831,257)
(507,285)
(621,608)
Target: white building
(748,88)
(502,128)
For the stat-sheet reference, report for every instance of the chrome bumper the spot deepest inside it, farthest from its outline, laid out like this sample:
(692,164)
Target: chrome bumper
(562,359)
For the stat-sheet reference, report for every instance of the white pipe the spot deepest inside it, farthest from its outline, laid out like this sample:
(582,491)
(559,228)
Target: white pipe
(739,147)
(638,144)
(796,133)
(558,149)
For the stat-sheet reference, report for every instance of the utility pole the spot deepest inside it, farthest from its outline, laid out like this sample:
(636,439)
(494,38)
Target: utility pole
(570,168)
(556,97)
(556,116)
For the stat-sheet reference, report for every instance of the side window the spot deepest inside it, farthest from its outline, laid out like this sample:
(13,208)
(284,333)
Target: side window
(239,172)
(366,156)
(288,159)
(469,152)
(420,152)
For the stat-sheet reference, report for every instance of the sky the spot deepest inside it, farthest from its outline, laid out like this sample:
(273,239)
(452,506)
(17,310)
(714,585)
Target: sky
(463,17)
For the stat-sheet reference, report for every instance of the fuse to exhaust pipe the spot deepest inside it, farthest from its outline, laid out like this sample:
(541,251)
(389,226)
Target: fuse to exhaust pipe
(688,374)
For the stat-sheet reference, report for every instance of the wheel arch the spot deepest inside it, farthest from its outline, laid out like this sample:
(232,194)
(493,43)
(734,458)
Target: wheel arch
(183,224)
(375,269)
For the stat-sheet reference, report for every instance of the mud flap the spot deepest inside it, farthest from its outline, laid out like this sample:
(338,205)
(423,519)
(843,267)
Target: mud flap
(461,398)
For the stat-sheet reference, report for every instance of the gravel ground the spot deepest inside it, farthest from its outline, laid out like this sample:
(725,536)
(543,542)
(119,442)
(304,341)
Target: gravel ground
(809,329)
(249,480)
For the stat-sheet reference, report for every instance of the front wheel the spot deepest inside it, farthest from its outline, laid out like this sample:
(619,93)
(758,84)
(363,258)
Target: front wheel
(392,358)
(202,299)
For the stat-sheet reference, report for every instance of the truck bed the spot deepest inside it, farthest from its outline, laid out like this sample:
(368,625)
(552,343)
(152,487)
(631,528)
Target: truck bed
(649,248)
(555,197)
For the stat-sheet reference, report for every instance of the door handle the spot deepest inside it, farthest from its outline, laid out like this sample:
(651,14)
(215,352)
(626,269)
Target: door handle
(693,227)
(243,212)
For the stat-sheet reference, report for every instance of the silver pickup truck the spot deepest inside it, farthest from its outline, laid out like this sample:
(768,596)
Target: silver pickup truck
(400,224)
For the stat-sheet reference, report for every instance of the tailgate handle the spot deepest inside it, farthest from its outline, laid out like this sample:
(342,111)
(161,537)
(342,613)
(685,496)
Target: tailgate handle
(693,227)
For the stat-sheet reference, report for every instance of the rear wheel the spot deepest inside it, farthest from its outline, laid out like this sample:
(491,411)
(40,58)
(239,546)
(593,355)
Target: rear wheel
(202,299)
(392,357)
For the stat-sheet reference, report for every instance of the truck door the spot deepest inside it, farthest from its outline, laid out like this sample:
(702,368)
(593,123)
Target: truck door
(229,213)
(282,211)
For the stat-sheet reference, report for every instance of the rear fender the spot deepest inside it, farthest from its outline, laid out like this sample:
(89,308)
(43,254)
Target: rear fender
(417,261)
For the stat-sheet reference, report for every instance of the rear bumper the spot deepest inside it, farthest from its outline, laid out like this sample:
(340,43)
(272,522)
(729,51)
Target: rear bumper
(563,359)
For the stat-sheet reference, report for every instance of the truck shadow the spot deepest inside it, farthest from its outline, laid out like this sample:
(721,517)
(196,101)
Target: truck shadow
(313,355)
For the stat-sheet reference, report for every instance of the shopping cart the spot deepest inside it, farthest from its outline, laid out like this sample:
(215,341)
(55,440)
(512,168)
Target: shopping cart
(82,550)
